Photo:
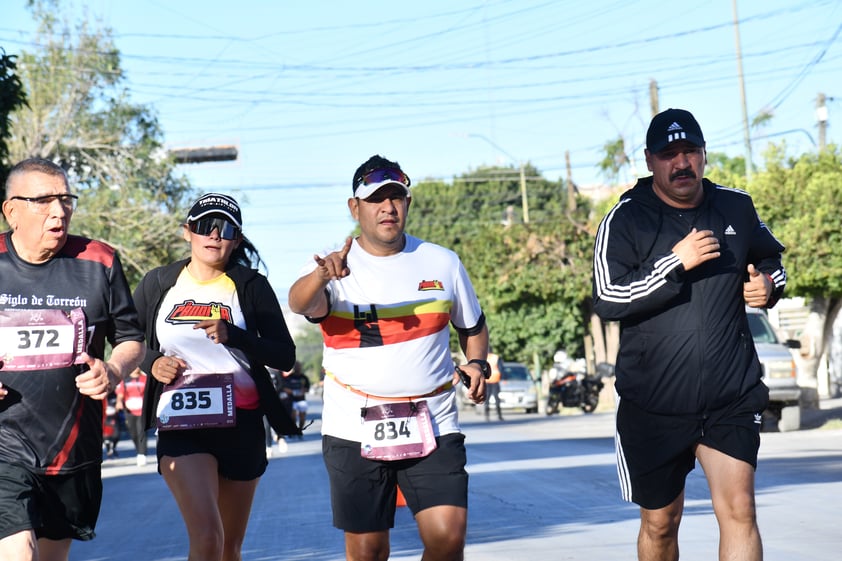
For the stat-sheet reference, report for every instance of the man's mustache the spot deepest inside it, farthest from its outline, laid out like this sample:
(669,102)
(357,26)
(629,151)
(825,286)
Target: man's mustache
(683,173)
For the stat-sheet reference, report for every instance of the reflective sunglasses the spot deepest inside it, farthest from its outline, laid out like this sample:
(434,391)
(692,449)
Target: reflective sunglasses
(387,174)
(204,226)
(42,204)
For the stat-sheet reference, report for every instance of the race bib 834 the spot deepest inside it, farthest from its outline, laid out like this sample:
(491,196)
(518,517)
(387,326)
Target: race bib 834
(397,431)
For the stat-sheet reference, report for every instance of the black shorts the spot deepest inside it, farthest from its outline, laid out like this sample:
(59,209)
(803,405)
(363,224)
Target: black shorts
(240,451)
(363,492)
(656,452)
(56,507)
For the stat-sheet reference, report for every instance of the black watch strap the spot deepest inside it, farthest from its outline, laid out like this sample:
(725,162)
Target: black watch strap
(484,367)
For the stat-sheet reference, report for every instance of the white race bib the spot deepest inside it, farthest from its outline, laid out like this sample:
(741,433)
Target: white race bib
(196,401)
(41,339)
(397,431)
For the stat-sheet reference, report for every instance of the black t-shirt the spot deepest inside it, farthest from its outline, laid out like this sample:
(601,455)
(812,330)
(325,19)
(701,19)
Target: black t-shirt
(296,386)
(45,423)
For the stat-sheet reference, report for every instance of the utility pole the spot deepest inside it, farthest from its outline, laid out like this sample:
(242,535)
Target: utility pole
(746,133)
(571,187)
(821,117)
(523,199)
(654,102)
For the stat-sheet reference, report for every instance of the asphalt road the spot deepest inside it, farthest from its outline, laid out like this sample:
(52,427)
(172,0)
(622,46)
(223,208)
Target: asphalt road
(540,488)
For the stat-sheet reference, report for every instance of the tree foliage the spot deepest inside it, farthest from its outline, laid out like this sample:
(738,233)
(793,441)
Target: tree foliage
(800,199)
(732,170)
(309,350)
(11,97)
(615,160)
(532,279)
(80,115)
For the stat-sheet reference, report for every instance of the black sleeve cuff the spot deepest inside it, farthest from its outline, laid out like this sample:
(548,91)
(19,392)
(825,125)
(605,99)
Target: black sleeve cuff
(470,331)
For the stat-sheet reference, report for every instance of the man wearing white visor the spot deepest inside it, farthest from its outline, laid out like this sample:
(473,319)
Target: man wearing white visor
(385,302)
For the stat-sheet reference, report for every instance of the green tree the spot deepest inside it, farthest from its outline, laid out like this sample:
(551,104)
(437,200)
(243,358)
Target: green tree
(309,349)
(79,114)
(615,159)
(11,97)
(800,199)
(728,171)
(532,279)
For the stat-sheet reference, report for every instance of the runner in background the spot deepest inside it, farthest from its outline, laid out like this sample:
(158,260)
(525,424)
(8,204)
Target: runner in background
(296,384)
(130,401)
(492,386)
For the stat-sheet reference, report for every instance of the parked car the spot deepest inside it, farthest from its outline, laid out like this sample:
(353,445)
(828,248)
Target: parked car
(518,389)
(779,371)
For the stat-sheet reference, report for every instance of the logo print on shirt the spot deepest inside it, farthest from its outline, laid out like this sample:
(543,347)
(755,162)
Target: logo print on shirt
(366,324)
(730,231)
(430,285)
(191,312)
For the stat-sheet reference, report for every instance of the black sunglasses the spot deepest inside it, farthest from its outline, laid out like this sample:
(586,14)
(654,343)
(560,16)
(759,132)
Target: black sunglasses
(205,226)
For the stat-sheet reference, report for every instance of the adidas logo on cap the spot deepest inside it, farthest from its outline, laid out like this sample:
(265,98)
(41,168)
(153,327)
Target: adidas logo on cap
(670,126)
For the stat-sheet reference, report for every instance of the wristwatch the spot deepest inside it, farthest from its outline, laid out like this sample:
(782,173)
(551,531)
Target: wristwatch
(484,367)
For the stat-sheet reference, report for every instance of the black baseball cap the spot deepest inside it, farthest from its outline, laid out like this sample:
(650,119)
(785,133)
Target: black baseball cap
(216,204)
(671,126)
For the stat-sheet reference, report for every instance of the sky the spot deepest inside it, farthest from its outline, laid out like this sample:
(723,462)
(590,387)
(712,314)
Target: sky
(307,91)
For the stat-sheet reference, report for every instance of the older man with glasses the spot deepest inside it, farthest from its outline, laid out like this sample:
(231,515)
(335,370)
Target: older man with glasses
(62,297)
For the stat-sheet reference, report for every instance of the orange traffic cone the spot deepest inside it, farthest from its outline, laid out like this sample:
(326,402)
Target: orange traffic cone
(401,501)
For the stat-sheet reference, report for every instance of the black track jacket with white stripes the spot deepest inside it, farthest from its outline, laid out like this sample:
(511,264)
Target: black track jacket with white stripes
(685,346)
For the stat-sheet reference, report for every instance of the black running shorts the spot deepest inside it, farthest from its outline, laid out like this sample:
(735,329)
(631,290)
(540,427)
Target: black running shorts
(363,492)
(240,451)
(656,452)
(56,507)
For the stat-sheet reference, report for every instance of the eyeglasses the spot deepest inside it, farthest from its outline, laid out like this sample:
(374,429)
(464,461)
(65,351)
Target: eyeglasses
(42,204)
(378,175)
(205,226)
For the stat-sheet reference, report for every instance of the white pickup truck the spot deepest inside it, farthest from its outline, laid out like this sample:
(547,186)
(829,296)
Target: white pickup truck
(779,371)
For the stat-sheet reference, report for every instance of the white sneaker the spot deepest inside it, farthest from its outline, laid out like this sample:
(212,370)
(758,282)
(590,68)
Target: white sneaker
(268,451)
(282,446)
(141,460)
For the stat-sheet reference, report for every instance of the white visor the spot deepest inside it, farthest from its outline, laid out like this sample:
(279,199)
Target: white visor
(365,191)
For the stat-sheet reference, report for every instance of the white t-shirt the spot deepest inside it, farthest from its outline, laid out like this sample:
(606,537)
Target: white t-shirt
(387,333)
(190,301)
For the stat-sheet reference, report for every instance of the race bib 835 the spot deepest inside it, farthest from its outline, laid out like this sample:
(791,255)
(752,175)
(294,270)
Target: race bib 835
(196,401)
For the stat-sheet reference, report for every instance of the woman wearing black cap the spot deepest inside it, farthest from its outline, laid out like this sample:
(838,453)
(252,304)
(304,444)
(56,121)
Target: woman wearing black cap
(213,325)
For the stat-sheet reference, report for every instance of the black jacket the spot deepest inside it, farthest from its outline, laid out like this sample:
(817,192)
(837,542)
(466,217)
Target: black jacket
(266,341)
(685,346)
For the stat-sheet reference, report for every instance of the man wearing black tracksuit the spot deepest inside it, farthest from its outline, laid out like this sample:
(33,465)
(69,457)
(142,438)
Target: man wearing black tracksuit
(675,262)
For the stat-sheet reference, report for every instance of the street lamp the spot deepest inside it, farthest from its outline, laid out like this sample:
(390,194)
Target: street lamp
(204,154)
(523,198)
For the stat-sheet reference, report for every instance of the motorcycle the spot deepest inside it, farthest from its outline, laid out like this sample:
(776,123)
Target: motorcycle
(577,389)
